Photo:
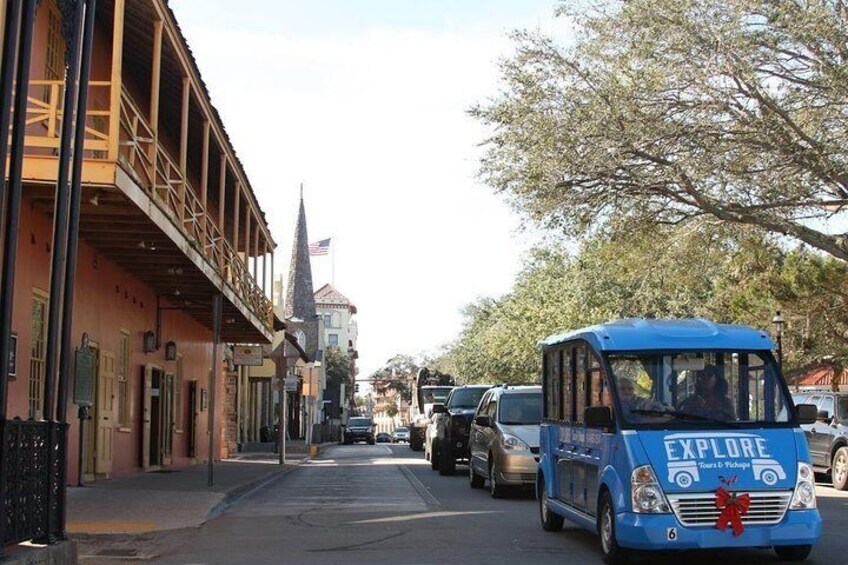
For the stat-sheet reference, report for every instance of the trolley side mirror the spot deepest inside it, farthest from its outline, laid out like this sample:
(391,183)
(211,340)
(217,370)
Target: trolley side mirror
(598,417)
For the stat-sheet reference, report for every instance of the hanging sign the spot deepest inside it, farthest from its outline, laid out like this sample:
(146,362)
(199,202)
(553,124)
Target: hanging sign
(84,374)
(249,355)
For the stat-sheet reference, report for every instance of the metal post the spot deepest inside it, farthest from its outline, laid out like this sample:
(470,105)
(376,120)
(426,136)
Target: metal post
(10,198)
(216,338)
(7,75)
(83,417)
(74,213)
(71,254)
(60,215)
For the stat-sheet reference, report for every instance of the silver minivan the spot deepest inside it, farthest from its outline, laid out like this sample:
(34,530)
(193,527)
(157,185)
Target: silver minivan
(505,438)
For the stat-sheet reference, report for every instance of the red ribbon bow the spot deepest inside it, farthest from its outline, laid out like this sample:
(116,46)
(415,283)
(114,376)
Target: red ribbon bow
(732,508)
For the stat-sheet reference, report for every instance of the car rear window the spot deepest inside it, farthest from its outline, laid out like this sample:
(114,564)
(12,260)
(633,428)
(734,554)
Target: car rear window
(359,422)
(520,409)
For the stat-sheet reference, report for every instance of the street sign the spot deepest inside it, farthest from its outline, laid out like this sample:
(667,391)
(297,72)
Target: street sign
(249,355)
(291,384)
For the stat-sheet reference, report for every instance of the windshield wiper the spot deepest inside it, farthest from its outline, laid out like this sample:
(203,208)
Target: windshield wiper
(679,415)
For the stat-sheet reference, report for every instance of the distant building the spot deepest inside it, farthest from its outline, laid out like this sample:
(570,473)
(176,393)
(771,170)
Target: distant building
(340,331)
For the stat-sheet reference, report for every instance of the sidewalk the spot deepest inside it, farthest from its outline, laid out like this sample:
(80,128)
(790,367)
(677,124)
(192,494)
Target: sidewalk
(173,498)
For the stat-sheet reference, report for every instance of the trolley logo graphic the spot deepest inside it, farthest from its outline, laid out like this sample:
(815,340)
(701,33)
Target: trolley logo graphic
(689,454)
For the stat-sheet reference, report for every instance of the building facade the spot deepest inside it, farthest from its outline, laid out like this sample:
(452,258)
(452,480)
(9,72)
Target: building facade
(168,221)
(340,331)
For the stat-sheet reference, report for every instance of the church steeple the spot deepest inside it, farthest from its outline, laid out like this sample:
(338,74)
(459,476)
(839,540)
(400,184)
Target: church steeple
(300,300)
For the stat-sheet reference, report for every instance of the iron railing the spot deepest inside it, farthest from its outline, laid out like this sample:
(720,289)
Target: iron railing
(34,454)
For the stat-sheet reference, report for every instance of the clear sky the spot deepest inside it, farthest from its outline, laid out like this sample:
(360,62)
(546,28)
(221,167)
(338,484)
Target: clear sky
(364,102)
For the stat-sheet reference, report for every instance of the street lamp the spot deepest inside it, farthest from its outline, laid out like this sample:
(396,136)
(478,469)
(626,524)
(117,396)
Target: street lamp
(778,322)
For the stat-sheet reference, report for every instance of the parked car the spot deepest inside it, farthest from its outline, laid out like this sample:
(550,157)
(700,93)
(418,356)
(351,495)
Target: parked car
(400,434)
(383,437)
(359,429)
(448,432)
(504,439)
(828,437)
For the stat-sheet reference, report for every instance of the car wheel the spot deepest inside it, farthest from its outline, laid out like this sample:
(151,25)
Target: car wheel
(496,489)
(551,522)
(793,552)
(474,480)
(447,464)
(613,553)
(839,469)
(434,455)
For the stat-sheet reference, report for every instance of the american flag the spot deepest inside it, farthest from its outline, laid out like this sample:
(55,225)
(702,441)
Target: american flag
(320,248)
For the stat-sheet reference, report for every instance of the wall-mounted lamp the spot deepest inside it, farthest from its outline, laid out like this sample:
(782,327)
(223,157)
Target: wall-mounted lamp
(170,351)
(95,200)
(149,342)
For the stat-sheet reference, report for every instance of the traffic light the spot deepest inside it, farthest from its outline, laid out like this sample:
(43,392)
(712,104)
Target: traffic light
(356,387)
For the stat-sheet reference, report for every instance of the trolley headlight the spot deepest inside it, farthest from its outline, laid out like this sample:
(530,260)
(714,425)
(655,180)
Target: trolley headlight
(646,494)
(804,497)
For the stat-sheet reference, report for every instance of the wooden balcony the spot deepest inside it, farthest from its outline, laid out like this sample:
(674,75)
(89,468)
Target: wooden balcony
(141,211)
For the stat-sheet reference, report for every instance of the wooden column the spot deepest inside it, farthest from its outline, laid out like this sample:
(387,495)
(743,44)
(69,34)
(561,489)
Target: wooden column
(204,179)
(265,267)
(272,276)
(222,195)
(115,94)
(256,254)
(154,98)
(184,146)
(247,233)
(237,199)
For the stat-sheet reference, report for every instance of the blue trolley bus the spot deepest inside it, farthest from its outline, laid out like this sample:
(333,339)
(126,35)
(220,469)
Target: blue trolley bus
(674,434)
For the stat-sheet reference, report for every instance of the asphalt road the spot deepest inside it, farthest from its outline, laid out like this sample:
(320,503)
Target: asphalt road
(383,504)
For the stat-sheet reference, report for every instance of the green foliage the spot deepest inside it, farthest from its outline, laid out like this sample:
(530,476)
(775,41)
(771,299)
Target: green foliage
(725,274)
(665,111)
(337,367)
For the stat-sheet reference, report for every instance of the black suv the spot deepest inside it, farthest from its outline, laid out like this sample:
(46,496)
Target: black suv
(452,422)
(828,437)
(359,429)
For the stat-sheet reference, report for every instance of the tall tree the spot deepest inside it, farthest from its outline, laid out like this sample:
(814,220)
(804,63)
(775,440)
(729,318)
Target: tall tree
(725,274)
(666,110)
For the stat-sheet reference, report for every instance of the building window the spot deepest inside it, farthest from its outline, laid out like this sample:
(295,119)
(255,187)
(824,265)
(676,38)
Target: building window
(178,396)
(333,340)
(328,321)
(123,378)
(37,359)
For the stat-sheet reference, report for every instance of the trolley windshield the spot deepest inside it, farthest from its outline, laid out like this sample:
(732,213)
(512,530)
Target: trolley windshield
(732,388)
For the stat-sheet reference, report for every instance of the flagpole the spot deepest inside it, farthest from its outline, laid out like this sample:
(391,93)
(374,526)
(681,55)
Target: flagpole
(333,243)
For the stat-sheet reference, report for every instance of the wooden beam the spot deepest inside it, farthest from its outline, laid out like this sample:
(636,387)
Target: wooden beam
(204,177)
(265,268)
(222,194)
(256,254)
(155,86)
(117,61)
(237,199)
(184,148)
(247,239)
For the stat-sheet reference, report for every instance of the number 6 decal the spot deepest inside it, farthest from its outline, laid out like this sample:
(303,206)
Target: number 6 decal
(671,534)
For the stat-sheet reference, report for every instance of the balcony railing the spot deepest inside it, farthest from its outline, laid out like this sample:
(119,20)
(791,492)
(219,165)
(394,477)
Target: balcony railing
(154,170)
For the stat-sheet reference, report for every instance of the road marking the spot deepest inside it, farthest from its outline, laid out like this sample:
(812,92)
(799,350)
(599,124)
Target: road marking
(425,516)
(423,492)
